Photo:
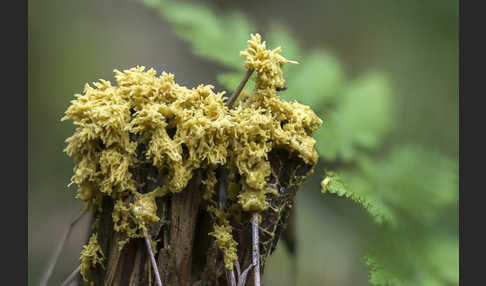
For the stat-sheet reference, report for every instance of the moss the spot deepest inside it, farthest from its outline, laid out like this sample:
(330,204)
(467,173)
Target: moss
(146,118)
(91,255)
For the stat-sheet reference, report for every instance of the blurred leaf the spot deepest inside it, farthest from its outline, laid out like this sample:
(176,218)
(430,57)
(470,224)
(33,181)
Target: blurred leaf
(214,36)
(360,118)
(425,257)
(280,37)
(315,81)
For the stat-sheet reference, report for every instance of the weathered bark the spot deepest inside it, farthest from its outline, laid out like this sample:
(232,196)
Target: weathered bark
(185,253)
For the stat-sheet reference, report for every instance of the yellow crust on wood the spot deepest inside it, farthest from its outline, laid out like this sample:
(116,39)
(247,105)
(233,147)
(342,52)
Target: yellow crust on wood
(182,130)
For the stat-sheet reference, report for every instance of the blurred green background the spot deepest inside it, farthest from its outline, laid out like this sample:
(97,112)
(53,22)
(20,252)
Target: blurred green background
(414,43)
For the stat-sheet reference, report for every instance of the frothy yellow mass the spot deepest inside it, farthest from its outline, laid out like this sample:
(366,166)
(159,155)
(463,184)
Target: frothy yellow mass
(178,130)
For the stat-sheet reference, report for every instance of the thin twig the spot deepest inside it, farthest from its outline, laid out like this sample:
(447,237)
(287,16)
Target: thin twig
(152,259)
(255,249)
(231,100)
(237,266)
(231,277)
(52,263)
(71,276)
(242,277)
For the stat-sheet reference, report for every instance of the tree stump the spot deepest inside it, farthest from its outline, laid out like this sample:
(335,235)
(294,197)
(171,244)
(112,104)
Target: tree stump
(185,253)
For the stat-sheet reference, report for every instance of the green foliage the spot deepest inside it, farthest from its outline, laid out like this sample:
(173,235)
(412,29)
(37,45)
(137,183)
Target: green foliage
(360,118)
(411,192)
(397,259)
(407,192)
(216,37)
(408,184)
(364,197)
(408,258)
(317,80)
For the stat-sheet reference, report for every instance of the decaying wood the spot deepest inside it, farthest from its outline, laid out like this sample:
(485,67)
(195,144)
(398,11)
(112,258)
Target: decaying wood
(185,253)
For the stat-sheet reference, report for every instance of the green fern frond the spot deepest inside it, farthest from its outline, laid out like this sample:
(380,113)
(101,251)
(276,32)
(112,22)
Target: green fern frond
(410,183)
(365,197)
(406,192)
(423,257)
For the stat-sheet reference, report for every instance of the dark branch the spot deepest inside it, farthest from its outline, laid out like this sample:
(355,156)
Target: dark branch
(231,100)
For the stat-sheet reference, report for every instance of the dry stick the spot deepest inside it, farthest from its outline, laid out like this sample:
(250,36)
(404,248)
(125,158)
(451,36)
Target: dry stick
(255,248)
(242,276)
(60,246)
(152,258)
(232,278)
(237,266)
(71,276)
(234,96)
